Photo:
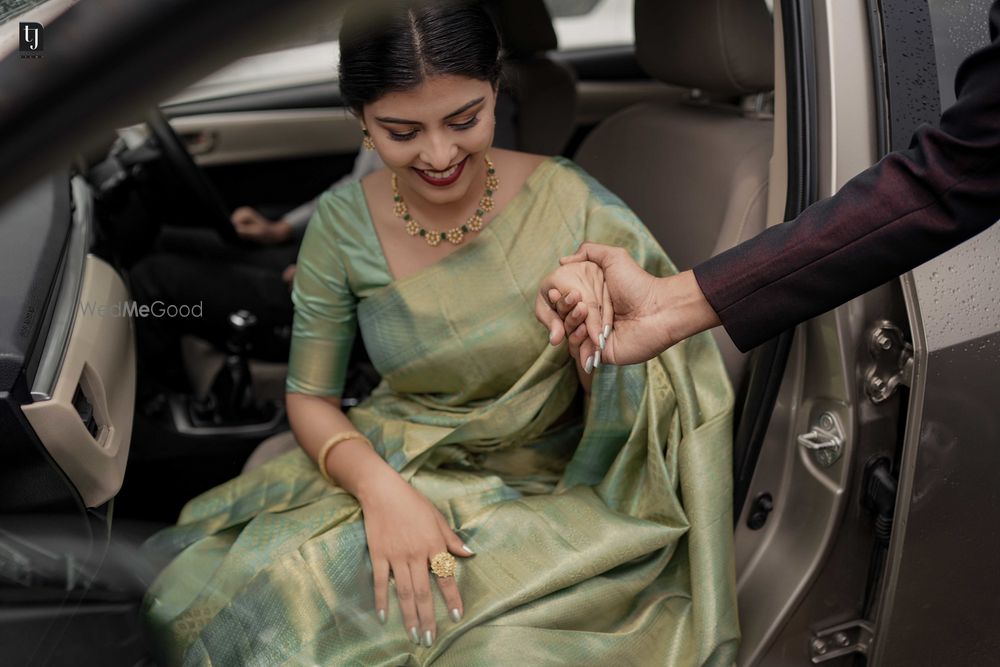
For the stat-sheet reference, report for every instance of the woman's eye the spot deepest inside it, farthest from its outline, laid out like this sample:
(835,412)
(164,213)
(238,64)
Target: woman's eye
(402,136)
(466,125)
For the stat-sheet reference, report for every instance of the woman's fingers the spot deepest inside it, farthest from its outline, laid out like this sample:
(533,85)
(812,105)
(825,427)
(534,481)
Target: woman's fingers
(595,308)
(421,576)
(566,304)
(407,602)
(449,589)
(449,586)
(575,317)
(575,341)
(607,320)
(588,354)
(380,568)
(550,318)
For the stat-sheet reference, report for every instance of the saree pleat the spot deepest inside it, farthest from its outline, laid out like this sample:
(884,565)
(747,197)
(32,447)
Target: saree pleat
(602,528)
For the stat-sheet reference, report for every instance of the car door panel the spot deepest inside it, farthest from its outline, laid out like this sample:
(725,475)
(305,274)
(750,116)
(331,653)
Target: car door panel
(279,134)
(273,159)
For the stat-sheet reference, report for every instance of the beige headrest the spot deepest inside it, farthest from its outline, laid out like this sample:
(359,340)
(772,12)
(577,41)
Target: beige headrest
(720,46)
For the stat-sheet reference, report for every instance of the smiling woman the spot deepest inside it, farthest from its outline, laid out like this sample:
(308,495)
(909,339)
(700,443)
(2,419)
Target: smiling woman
(532,492)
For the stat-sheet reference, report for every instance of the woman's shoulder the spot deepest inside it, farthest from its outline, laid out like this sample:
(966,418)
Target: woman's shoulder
(344,198)
(555,175)
(341,212)
(541,171)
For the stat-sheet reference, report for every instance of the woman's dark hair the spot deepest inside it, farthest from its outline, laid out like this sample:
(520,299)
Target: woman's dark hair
(393,45)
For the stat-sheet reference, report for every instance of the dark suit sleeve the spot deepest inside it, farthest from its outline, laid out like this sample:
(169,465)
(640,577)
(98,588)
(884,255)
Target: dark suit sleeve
(910,207)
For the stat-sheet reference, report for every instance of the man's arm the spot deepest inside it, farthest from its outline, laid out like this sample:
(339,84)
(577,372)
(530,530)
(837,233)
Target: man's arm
(907,209)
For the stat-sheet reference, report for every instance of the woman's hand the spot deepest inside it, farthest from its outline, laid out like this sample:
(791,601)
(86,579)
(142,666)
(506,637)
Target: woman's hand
(574,304)
(574,314)
(404,530)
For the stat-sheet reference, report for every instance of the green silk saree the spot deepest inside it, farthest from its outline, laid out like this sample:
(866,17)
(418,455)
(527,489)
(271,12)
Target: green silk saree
(604,538)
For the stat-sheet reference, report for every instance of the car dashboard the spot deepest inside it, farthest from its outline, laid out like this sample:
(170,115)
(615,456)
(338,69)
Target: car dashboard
(67,354)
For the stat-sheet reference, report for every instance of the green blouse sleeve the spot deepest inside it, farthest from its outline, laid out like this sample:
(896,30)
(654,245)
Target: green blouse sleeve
(325,308)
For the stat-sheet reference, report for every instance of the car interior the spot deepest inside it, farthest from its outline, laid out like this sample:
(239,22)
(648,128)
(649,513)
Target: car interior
(679,124)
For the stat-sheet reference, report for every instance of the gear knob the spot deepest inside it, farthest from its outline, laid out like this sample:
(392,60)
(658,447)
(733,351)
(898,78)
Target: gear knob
(240,324)
(241,320)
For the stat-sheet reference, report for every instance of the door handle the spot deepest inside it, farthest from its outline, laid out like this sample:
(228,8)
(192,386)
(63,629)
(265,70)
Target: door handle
(199,143)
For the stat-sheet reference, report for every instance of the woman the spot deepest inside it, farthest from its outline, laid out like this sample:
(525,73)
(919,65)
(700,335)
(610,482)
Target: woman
(565,483)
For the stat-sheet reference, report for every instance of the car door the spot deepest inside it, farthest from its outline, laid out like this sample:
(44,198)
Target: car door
(941,574)
(856,541)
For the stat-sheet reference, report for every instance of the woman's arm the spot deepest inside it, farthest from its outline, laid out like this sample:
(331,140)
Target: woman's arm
(352,464)
(403,528)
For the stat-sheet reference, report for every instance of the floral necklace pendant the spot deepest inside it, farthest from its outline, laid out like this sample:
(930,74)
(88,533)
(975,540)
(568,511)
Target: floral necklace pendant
(455,235)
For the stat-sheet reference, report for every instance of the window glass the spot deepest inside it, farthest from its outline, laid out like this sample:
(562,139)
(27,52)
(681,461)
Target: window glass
(581,24)
(959,27)
(560,8)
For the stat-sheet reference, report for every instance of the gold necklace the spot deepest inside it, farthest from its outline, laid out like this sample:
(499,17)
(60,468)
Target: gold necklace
(457,234)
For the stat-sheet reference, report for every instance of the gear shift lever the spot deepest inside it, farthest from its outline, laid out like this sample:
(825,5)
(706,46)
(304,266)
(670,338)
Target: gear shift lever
(231,397)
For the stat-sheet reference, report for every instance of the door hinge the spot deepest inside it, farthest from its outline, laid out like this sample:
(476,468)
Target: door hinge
(892,361)
(840,640)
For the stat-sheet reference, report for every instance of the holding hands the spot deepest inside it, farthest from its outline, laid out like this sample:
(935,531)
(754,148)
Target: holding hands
(612,311)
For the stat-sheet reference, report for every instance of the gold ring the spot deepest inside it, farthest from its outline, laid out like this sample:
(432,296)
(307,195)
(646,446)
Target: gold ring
(443,564)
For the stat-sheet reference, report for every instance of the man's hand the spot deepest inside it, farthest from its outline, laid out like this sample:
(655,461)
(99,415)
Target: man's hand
(288,275)
(650,314)
(252,226)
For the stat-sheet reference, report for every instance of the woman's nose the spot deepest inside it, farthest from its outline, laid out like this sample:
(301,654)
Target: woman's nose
(439,153)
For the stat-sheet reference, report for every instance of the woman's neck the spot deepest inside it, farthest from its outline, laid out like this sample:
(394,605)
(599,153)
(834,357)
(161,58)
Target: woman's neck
(439,217)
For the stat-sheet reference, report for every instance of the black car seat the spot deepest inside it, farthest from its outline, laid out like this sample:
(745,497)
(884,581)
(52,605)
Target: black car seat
(542,92)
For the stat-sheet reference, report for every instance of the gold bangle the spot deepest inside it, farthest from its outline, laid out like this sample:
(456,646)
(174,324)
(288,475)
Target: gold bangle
(333,442)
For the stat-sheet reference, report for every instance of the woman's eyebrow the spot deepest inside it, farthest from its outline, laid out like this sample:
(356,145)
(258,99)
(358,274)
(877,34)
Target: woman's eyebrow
(403,121)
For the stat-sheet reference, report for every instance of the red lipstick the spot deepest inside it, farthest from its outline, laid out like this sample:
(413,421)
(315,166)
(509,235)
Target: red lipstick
(443,182)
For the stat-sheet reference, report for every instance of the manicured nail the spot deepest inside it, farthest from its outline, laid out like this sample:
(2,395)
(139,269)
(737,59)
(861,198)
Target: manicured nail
(381,616)
(601,340)
(597,359)
(414,637)
(428,639)
(607,331)
(467,550)
(456,615)
(589,366)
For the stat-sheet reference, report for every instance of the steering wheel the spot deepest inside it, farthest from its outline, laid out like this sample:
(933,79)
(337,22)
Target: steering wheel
(207,197)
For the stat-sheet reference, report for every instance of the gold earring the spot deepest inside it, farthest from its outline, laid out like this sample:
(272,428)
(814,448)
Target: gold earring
(367,141)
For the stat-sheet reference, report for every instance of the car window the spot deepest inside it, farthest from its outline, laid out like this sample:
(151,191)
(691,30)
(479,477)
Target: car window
(578,24)
(581,24)
(325,29)
(310,55)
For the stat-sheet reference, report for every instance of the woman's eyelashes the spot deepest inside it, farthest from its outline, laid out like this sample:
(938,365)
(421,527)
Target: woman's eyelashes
(406,136)
(465,125)
(402,136)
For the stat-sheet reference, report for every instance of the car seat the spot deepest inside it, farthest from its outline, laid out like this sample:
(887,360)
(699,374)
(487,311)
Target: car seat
(695,168)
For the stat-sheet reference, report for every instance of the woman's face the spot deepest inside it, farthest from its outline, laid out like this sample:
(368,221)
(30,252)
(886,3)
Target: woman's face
(434,136)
